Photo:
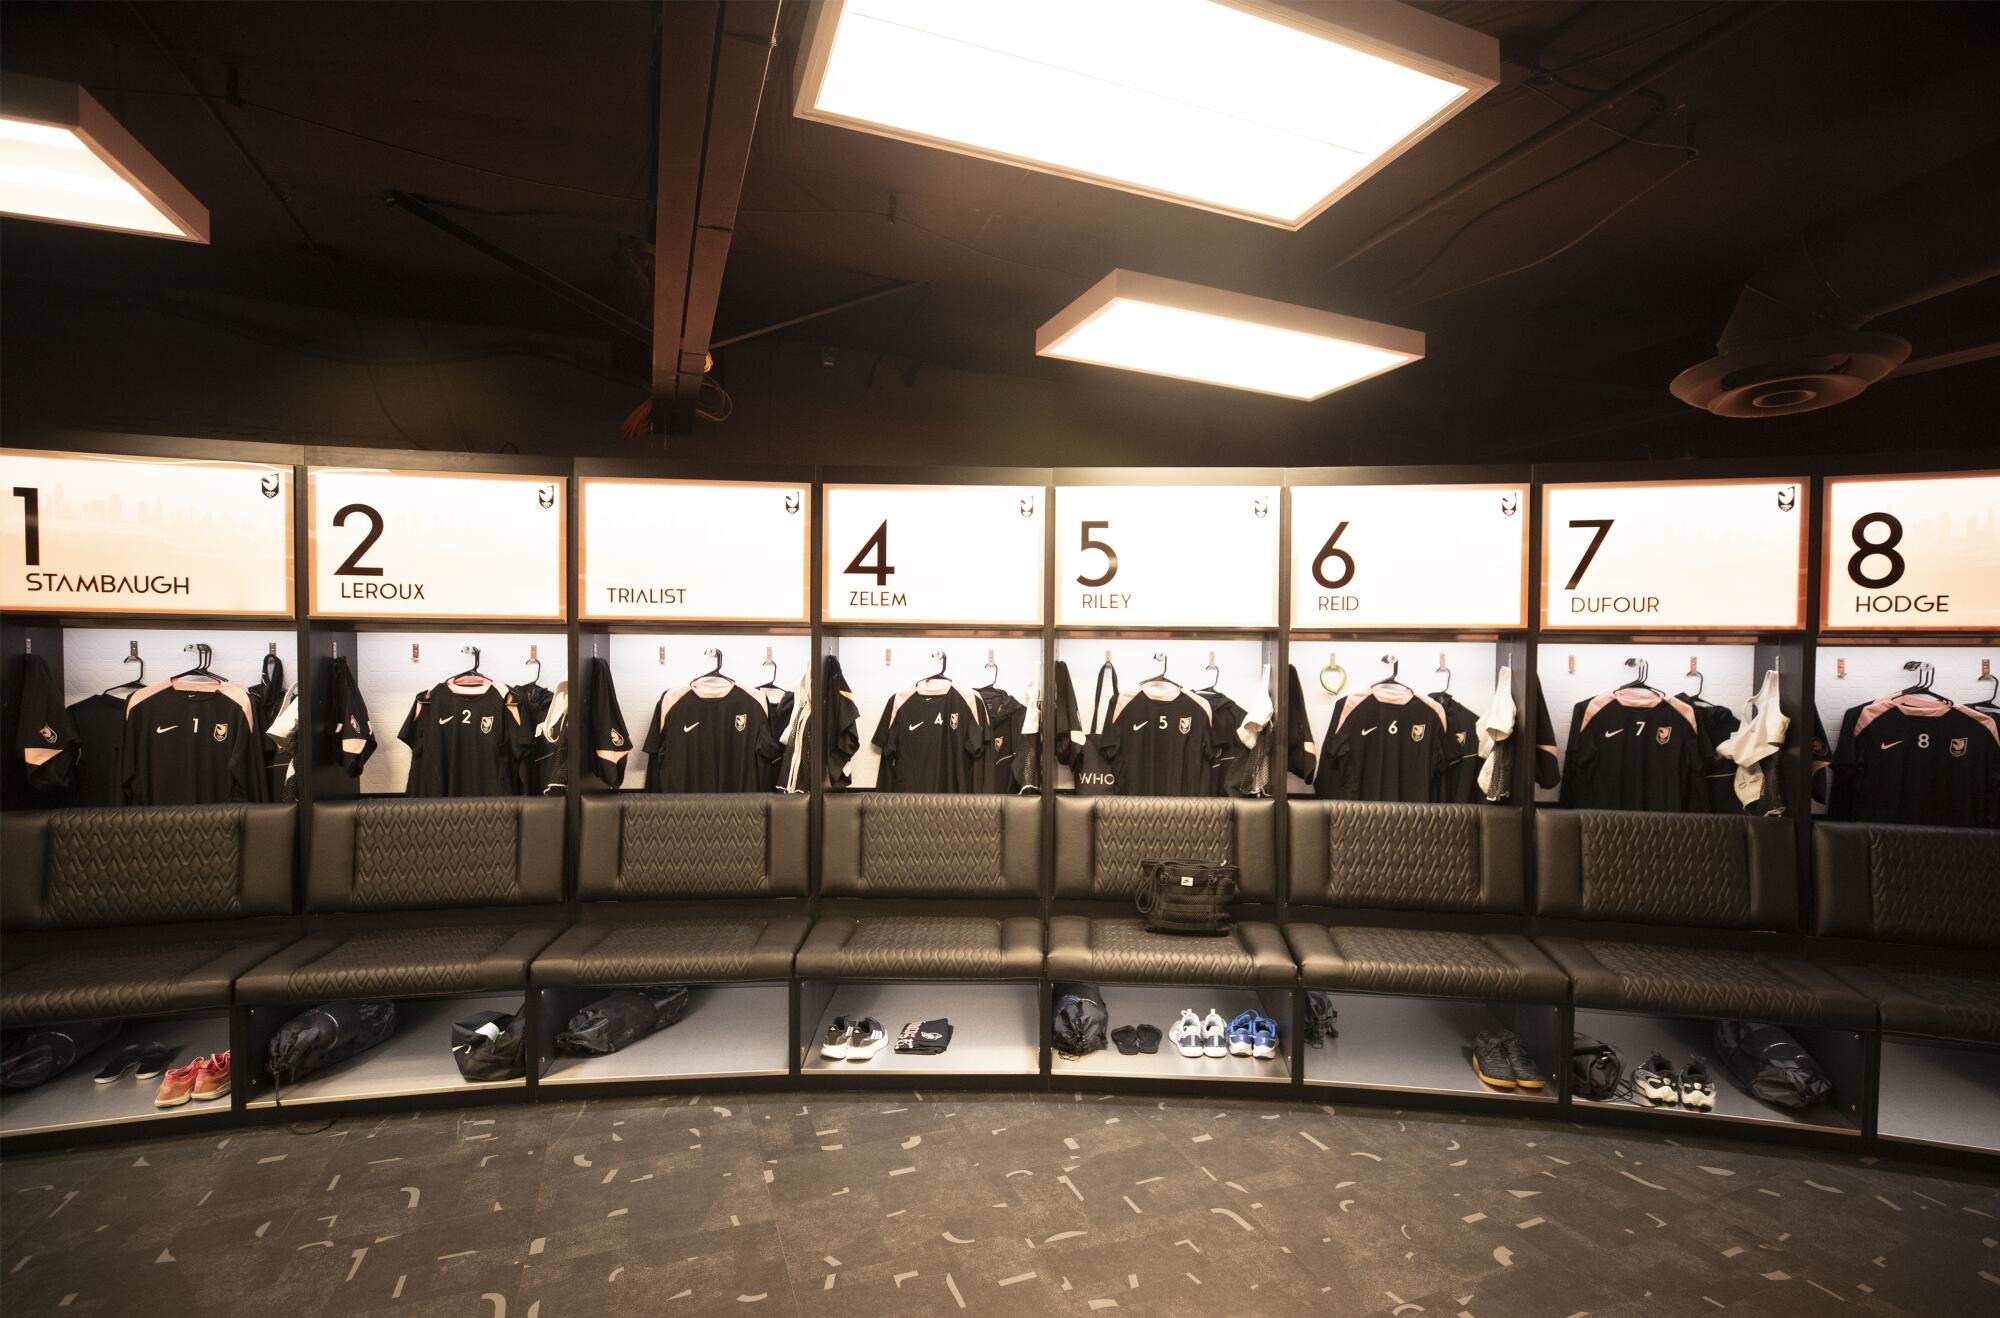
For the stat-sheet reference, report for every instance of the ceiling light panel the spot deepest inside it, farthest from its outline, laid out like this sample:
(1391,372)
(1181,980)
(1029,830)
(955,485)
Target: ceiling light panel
(1254,108)
(64,159)
(1158,326)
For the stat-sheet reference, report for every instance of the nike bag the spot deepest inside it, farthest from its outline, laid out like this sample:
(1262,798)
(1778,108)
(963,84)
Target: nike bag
(1186,896)
(37,1056)
(1595,1070)
(1081,1019)
(1768,1063)
(1094,774)
(491,1046)
(313,1040)
(620,1019)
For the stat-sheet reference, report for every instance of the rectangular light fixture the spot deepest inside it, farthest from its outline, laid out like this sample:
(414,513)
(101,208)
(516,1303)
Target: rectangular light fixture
(1161,326)
(1269,110)
(64,159)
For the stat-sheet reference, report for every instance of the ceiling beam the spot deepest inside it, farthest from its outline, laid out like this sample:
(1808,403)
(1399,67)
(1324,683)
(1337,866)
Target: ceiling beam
(713,61)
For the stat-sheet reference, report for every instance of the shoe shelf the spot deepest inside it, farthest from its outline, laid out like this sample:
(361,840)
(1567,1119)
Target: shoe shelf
(1933,1092)
(75,1101)
(996,1028)
(1637,1037)
(730,1030)
(1424,1045)
(1160,1005)
(415,1060)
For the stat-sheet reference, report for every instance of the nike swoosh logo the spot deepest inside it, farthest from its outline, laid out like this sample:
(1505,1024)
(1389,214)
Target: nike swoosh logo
(1887,745)
(443,721)
(1615,733)
(691,726)
(913,727)
(1366,731)
(1138,727)
(169,728)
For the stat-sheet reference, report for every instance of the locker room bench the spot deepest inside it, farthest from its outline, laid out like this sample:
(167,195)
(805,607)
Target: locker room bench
(417,898)
(680,889)
(1432,873)
(1732,876)
(133,911)
(1100,844)
(902,874)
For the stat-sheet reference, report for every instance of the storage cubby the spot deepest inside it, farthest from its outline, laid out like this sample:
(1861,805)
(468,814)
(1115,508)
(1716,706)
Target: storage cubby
(1931,1091)
(647,665)
(995,1028)
(878,666)
(1160,1005)
(730,1030)
(1331,669)
(1574,671)
(1240,671)
(1424,1045)
(1848,673)
(393,668)
(413,1062)
(74,1100)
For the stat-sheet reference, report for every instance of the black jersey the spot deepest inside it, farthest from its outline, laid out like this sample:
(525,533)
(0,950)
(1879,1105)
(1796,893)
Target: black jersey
(843,722)
(190,745)
(464,742)
(1161,744)
(931,738)
(607,741)
(1635,749)
(1548,768)
(100,770)
(710,737)
(1717,724)
(1460,772)
(1387,743)
(1231,762)
(43,737)
(779,706)
(537,765)
(1916,759)
(1007,764)
(352,731)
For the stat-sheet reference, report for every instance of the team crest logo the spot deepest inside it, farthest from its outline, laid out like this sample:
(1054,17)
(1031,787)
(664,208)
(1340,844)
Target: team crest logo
(269,485)
(1460,736)
(1028,506)
(794,501)
(486,723)
(1958,746)
(1663,735)
(1788,498)
(617,738)
(546,496)
(998,742)
(742,722)
(954,721)
(222,732)
(1187,725)
(1259,507)
(1510,504)
(48,734)
(1417,731)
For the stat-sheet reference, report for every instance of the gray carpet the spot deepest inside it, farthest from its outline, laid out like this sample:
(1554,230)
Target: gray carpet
(940,1203)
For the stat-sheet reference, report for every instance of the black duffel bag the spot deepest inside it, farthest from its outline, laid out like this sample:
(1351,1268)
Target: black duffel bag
(1766,1062)
(35,1057)
(491,1046)
(621,1019)
(1186,896)
(1081,1020)
(313,1040)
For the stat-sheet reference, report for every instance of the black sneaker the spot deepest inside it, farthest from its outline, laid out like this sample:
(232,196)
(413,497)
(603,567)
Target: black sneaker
(839,1034)
(1697,1090)
(121,1063)
(1528,1073)
(1656,1083)
(1490,1061)
(866,1040)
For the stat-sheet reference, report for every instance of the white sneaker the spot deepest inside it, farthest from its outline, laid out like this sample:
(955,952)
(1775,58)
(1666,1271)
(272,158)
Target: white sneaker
(1656,1083)
(869,1036)
(1186,1034)
(1214,1033)
(1697,1090)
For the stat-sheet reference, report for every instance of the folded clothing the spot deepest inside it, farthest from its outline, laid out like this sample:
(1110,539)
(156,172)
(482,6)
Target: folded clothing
(925,1037)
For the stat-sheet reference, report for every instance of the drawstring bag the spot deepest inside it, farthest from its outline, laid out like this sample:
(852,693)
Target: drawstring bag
(1185,896)
(1320,1018)
(313,1040)
(1595,1069)
(1081,1019)
(491,1046)
(37,1056)
(621,1019)
(1767,1062)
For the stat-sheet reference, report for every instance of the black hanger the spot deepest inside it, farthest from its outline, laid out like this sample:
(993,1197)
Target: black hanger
(992,667)
(473,671)
(1395,667)
(535,658)
(1926,673)
(203,653)
(1444,690)
(1215,678)
(1700,685)
(770,683)
(1639,682)
(942,663)
(1991,696)
(717,670)
(132,657)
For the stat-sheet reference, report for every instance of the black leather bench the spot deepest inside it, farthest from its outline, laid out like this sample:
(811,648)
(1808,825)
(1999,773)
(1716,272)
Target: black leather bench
(684,889)
(128,912)
(1921,907)
(1356,865)
(1101,842)
(1728,874)
(421,898)
(934,887)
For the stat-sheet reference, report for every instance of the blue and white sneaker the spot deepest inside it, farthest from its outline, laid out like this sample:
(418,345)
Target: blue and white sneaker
(1186,1033)
(1264,1038)
(1242,1032)
(1214,1035)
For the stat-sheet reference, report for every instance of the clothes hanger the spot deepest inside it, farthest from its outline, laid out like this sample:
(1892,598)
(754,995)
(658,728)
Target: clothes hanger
(1215,677)
(770,683)
(715,673)
(1926,673)
(1395,667)
(1700,684)
(1337,673)
(993,669)
(473,671)
(535,658)
(1444,690)
(1988,675)
(203,653)
(1160,658)
(1639,682)
(131,657)
(943,663)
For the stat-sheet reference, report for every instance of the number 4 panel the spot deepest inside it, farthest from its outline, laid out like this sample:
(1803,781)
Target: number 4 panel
(953,555)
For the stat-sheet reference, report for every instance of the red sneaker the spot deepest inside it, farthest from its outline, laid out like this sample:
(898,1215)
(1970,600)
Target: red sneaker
(177,1085)
(213,1081)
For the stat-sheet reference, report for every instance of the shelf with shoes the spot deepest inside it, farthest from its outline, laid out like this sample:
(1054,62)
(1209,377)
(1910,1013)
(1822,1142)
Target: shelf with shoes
(416,1059)
(74,1099)
(1931,1091)
(727,1031)
(994,1029)
(1163,1006)
(1841,1054)
(1440,1046)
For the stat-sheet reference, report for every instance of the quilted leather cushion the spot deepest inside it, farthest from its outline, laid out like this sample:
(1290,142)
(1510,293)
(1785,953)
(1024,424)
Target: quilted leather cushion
(923,947)
(1951,1004)
(1426,962)
(397,962)
(1128,831)
(58,983)
(672,951)
(1709,982)
(1665,867)
(436,853)
(932,845)
(143,865)
(1937,885)
(1124,951)
(702,846)
(1417,857)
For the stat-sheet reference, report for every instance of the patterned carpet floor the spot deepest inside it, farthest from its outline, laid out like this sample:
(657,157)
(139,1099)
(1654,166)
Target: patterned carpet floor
(872,1206)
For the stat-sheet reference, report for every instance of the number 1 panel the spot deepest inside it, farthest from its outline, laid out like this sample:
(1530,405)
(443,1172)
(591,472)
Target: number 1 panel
(952,555)
(1449,557)
(1912,553)
(1167,556)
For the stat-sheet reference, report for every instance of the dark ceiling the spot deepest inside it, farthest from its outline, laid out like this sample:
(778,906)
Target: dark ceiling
(1560,295)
